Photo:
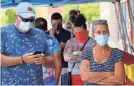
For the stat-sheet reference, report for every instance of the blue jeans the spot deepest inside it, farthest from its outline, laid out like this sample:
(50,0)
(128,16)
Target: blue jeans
(50,81)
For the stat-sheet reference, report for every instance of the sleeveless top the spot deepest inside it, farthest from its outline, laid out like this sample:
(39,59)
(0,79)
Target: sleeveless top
(77,46)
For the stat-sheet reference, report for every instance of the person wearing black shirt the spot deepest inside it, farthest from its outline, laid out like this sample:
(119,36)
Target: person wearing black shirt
(61,34)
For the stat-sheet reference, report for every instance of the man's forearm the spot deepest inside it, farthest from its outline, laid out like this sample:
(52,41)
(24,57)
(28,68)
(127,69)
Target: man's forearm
(49,62)
(58,65)
(10,61)
(57,71)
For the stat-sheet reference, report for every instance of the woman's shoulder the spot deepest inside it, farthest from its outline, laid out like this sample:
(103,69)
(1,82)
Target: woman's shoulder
(116,50)
(117,54)
(72,40)
(69,42)
(91,42)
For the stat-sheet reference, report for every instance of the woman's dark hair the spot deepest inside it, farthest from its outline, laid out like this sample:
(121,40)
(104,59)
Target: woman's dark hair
(41,23)
(56,16)
(73,12)
(81,21)
(73,16)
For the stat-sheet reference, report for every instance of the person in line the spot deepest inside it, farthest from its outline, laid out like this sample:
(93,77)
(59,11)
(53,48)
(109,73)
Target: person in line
(50,77)
(102,64)
(73,14)
(68,26)
(61,35)
(73,49)
(24,49)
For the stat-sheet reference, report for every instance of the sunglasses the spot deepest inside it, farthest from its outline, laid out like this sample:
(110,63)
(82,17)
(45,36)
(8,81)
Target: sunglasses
(95,22)
(27,19)
(68,27)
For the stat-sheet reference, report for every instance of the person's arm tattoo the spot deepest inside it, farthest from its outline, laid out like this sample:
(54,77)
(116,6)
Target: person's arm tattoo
(68,54)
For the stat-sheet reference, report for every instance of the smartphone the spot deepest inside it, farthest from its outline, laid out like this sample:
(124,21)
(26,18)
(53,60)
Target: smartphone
(37,52)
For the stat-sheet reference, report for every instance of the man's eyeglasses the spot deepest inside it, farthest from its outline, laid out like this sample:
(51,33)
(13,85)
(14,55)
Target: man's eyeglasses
(27,19)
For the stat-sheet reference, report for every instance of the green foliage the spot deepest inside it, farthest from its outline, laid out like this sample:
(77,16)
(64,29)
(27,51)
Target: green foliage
(91,11)
(7,16)
(3,18)
(10,13)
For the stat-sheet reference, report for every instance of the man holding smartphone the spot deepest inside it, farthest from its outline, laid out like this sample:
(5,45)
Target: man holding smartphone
(18,42)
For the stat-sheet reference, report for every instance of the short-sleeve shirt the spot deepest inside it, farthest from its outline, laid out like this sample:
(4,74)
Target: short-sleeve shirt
(108,66)
(13,44)
(49,72)
(77,46)
(63,36)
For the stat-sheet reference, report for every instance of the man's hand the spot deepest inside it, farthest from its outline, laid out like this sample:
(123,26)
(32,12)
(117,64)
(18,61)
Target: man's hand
(29,58)
(41,59)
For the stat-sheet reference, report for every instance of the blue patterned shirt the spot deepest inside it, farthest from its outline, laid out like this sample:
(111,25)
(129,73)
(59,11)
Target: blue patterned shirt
(13,43)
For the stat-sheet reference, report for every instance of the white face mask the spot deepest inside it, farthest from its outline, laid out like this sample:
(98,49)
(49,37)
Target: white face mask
(101,39)
(25,27)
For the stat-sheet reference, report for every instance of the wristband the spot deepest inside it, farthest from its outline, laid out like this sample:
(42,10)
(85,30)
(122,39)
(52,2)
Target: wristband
(22,60)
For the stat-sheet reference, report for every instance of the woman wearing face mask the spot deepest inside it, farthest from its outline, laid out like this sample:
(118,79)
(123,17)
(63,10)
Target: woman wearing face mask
(75,46)
(102,64)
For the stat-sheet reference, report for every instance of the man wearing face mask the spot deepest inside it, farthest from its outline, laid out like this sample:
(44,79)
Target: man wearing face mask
(24,49)
(60,34)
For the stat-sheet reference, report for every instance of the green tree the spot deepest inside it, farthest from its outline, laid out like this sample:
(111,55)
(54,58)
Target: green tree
(7,16)
(10,13)
(91,11)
